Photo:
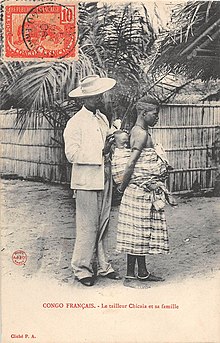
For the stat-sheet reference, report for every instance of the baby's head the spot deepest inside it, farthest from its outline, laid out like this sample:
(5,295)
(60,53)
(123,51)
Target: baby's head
(121,139)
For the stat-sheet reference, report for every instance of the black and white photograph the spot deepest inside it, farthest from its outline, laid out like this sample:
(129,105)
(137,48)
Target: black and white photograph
(110,171)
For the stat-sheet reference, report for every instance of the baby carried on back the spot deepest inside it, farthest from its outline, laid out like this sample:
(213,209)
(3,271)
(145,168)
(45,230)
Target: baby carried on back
(150,173)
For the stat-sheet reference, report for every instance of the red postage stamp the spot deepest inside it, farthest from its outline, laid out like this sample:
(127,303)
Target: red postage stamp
(40,30)
(19,257)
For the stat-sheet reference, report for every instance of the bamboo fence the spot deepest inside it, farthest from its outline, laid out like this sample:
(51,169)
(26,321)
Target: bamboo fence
(34,153)
(190,134)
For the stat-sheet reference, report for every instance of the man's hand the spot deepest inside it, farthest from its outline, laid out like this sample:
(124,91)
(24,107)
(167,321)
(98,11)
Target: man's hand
(117,195)
(108,143)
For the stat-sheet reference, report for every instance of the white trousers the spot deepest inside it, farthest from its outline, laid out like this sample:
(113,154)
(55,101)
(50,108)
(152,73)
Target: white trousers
(92,217)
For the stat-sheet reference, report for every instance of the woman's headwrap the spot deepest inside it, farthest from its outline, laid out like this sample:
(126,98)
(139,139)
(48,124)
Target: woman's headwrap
(147,103)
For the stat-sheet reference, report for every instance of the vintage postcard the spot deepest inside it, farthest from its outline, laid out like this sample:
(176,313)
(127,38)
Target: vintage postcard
(110,171)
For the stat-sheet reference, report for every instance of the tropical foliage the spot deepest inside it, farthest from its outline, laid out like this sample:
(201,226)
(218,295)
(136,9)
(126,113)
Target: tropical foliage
(191,45)
(114,40)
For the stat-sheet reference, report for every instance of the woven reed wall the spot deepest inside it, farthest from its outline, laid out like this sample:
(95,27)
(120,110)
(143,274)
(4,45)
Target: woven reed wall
(187,132)
(34,153)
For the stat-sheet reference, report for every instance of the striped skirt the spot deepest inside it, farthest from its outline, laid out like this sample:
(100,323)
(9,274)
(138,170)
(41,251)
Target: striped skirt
(141,229)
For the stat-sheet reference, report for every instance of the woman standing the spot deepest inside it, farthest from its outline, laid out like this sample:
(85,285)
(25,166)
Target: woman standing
(142,226)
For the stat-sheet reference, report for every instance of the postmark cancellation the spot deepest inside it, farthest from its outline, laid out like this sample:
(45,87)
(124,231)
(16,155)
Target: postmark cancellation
(40,30)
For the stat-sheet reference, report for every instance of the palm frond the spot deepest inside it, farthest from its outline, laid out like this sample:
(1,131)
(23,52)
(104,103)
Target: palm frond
(114,40)
(178,47)
(48,83)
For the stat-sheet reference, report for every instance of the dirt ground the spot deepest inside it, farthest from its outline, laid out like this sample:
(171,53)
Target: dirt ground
(39,219)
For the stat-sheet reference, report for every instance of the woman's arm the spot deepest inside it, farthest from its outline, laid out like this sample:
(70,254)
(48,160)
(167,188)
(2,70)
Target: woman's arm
(138,139)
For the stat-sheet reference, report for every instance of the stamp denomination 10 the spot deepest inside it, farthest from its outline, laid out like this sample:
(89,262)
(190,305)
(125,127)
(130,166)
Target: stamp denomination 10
(46,31)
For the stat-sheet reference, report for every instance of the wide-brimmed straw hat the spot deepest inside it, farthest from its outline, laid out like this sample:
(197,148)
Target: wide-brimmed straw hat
(92,85)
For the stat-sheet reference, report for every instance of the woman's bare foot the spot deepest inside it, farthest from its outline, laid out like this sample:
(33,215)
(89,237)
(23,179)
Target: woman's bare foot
(150,277)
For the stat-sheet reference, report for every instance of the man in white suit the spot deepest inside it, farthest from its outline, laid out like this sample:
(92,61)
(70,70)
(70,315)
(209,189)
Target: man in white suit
(86,148)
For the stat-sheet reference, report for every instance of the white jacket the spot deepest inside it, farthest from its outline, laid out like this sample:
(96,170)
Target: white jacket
(84,137)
